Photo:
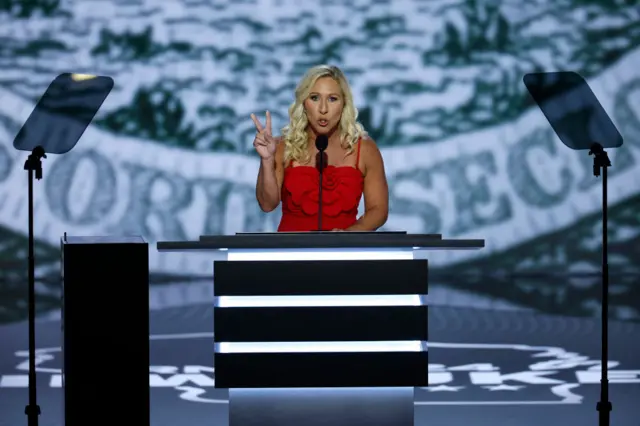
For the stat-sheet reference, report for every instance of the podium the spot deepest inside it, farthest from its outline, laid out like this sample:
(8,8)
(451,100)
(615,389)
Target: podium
(320,328)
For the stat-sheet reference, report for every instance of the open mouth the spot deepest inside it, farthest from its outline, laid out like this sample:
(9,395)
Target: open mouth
(323,123)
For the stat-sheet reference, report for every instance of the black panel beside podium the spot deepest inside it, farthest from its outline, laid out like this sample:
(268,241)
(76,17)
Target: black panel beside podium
(320,328)
(102,276)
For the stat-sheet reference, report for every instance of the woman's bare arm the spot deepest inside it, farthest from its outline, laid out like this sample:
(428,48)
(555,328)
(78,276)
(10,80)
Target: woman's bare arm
(376,190)
(269,181)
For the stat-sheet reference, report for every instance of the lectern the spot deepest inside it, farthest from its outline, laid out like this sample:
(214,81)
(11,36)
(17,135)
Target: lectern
(320,328)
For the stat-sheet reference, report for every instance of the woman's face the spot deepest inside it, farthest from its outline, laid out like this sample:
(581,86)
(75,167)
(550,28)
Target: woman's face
(324,106)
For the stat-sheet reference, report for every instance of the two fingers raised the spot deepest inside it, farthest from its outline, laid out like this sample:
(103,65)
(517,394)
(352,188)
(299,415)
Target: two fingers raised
(259,127)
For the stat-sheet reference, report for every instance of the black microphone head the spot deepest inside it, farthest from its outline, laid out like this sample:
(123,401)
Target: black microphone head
(322,141)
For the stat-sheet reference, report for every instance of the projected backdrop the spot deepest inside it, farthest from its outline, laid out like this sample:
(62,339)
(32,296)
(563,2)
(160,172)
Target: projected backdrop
(438,84)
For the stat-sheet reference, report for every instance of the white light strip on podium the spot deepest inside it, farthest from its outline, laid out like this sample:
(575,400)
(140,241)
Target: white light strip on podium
(289,347)
(320,254)
(317,301)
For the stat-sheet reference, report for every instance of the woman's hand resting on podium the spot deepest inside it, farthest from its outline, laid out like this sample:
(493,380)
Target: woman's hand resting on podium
(264,143)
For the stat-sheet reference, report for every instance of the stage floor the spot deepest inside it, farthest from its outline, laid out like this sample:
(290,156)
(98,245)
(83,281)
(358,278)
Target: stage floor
(547,370)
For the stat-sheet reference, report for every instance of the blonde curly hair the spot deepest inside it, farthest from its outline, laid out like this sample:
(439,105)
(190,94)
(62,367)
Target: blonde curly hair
(295,134)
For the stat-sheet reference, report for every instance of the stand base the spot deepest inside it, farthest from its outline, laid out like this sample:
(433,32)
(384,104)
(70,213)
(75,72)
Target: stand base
(321,407)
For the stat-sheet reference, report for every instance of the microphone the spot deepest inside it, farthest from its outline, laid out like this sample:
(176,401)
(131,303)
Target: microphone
(322,141)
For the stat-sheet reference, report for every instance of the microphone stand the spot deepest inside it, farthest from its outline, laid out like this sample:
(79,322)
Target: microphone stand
(33,164)
(604,406)
(320,169)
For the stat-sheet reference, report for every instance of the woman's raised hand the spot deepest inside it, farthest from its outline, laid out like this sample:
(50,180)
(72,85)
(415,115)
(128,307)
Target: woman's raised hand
(264,143)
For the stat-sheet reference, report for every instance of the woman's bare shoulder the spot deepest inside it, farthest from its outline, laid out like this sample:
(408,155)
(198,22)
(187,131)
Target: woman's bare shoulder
(368,143)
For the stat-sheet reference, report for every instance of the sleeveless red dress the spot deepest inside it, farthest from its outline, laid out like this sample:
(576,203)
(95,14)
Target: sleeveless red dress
(342,188)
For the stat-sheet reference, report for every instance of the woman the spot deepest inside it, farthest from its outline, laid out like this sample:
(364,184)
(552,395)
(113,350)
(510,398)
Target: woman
(288,172)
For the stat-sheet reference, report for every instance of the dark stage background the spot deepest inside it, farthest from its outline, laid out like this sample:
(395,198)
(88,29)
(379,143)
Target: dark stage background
(439,86)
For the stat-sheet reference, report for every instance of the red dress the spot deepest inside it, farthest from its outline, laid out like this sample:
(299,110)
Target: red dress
(342,188)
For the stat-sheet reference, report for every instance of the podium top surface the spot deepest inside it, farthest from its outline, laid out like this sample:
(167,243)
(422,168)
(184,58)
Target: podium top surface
(313,240)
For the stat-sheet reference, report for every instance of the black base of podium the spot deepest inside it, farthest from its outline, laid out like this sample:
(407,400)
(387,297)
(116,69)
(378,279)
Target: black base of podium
(321,407)
(105,328)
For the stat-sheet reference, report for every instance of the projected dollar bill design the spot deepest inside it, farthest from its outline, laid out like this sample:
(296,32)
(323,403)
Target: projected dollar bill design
(439,88)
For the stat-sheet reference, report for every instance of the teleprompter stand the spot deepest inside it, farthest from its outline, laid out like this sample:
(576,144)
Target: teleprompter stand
(581,123)
(66,108)
(34,166)
(601,162)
